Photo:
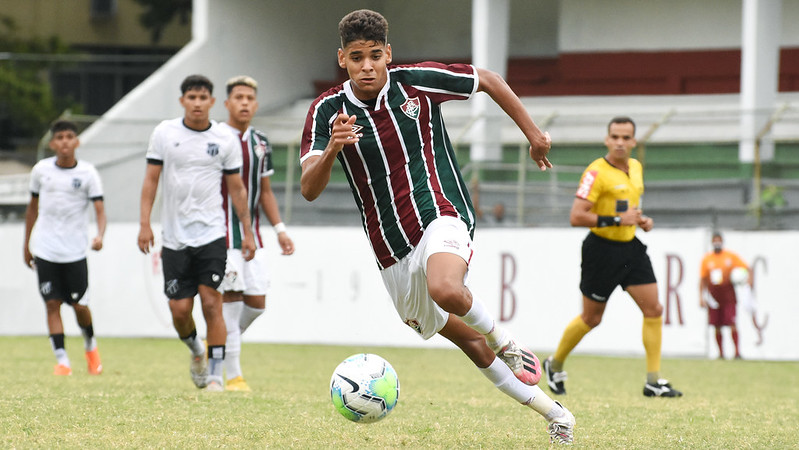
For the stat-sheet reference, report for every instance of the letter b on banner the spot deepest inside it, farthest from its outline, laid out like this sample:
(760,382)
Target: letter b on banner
(507,298)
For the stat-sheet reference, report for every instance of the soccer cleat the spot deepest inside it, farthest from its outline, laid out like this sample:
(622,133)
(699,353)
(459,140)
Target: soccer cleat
(237,384)
(555,379)
(522,362)
(661,389)
(561,429)
(214,385)
(62,370)
(93,360)
(199,370)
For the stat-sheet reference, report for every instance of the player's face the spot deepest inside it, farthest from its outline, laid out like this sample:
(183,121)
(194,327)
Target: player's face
(241,104)
(197,103)
(620,140)
(64,143)
(366,63)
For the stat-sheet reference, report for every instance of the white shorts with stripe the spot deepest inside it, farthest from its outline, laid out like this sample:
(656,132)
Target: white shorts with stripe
(406,281)
(250,277)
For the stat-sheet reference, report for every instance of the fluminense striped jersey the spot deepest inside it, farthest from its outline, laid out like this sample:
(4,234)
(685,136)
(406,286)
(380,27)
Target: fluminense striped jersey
(403,171)
(256,153)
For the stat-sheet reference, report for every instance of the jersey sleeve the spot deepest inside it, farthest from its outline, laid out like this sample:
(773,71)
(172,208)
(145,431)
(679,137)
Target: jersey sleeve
(589,188)
(440,82)
(738,262)
(316,132)
(232,155)
(95,188)
(35,181)
(155,149)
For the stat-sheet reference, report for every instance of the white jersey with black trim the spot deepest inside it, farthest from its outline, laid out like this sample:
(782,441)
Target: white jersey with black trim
(61,233)
(193,166)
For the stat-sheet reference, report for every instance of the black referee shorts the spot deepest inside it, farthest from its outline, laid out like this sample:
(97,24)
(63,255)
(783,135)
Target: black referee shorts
(186,269)
(607,264)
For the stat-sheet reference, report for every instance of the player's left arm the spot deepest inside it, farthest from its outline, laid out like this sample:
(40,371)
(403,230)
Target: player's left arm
(269,205)
(102,220)
(497,88)
(238,196)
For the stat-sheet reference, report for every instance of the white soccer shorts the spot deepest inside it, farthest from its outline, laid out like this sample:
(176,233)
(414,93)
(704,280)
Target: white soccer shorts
(250,277)
(406,281)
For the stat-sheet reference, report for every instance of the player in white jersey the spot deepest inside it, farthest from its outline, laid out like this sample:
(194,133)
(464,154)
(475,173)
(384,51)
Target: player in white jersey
(194,155)
(56,237)
(246,283)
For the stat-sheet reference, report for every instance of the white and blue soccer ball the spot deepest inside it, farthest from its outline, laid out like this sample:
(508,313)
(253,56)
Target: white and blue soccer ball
(364,388)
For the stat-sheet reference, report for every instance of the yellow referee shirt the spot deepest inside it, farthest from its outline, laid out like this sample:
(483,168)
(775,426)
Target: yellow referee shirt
(612,191)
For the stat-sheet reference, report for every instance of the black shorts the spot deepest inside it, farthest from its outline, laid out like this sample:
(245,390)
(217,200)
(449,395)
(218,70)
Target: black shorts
(185,270)
(62,281)
(607,264)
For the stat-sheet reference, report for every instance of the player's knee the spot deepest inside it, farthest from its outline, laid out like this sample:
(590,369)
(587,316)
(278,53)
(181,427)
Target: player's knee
(451,297)
(592,320)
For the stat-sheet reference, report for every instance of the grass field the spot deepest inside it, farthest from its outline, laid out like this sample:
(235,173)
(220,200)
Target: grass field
(145,399)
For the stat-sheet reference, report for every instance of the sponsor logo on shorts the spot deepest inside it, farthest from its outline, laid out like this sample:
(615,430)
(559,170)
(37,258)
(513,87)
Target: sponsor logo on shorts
(75,295)
(215,277)
(46,287)
(598,297)
(413,323)
(452,243)
(172,286)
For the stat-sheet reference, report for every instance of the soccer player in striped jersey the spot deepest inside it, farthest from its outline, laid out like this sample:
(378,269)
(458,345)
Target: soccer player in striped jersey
(193,153)
(62,187)
(384,125)
(246,282)
(608,202)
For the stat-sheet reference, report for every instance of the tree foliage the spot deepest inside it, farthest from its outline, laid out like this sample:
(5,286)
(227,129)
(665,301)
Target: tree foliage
(159,13)
(27,104)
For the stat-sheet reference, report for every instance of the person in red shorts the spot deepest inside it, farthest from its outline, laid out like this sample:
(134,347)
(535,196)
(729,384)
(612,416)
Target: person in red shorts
(717,290)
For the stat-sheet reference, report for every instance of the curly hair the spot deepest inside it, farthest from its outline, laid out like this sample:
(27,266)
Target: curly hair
(363,24)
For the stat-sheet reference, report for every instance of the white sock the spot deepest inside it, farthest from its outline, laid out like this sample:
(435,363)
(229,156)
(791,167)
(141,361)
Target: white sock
(248,315)
(231,311)
(89,342)
(497,338)
(195,345)
(216,359)
(478,318)
(61,357)
(504,379)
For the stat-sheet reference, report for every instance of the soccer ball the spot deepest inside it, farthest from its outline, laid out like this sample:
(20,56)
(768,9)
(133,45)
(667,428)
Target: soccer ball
(364,388)
(739,276)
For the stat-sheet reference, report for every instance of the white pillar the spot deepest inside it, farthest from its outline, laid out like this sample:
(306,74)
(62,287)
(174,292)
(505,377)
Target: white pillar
(490,25)
(760,59)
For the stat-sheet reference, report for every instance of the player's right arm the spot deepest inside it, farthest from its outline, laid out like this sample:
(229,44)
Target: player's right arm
(316,170)
(148,190)
(31,214)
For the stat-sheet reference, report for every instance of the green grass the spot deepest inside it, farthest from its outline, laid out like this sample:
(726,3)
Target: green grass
(145,399)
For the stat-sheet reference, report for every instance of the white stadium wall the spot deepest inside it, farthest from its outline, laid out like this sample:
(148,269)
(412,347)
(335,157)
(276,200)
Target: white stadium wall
(330,292)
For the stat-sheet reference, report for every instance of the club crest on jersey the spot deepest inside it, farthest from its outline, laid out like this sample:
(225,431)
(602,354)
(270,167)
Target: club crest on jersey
(213,149)
(411,108)
(76,183)
(260,150)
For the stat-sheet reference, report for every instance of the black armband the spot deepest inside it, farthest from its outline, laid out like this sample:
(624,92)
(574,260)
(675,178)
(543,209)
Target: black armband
(606,221)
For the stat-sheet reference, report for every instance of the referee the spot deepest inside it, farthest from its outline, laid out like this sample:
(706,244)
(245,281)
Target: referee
(608,202)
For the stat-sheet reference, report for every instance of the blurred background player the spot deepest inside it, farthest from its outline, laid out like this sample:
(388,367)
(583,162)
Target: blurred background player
(608,202)
(246,282)
(717,290)
(194,153)
(62,187)
(384,125)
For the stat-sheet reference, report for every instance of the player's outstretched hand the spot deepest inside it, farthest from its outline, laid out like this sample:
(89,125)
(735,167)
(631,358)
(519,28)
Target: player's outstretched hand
(539,150)
(342,133)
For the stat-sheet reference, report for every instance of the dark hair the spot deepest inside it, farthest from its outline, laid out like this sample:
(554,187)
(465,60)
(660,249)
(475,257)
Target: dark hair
(241,80)
(63,125)
(717,234)
(196,82)
(621,119)
(363,24)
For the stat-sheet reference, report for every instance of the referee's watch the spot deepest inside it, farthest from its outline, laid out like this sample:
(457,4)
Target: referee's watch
(617,220)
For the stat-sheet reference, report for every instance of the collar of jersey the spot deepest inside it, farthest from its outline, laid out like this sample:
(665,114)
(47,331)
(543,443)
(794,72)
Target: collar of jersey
(383,93)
